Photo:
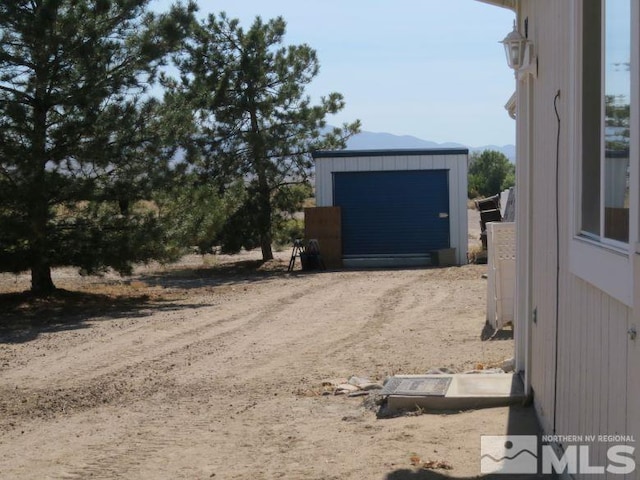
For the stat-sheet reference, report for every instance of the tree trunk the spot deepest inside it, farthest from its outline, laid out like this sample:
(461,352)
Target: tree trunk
(265,244)
(41,283)
(265,221)
(264,192)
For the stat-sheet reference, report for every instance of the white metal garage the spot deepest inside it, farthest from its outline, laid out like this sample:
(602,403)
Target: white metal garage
(397,205)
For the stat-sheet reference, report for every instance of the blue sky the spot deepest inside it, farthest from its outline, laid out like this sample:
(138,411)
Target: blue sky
(429,68)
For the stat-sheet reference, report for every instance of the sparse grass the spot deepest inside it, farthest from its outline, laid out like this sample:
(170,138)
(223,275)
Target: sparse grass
(210,260)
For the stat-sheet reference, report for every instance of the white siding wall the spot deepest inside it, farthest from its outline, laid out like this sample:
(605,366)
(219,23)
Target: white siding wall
(592,340)
(455,164)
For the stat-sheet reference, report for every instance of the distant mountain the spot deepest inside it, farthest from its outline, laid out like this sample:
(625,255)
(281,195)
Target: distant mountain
(382,141)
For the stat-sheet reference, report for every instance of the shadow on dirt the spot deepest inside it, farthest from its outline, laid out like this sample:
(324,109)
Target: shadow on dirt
(242,272)
(406,474)
(490,333)
(522,421)
(25,316)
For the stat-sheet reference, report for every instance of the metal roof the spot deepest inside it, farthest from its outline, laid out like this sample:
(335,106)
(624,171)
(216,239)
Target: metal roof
(389,153)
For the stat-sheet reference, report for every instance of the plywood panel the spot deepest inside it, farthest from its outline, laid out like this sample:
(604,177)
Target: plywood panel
(324,225)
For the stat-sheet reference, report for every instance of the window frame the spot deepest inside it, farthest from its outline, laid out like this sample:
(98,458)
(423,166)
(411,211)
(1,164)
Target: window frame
(605,263)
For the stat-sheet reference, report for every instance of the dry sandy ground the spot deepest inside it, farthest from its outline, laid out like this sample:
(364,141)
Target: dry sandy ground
(213,372)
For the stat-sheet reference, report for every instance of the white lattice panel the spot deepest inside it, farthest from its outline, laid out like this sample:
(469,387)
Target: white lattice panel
(501,246)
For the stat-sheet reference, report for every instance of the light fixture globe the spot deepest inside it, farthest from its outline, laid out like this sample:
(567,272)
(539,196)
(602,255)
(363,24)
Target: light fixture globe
(514,47)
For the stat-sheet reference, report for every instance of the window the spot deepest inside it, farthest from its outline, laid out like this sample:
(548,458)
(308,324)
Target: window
(606,100)
(605,130)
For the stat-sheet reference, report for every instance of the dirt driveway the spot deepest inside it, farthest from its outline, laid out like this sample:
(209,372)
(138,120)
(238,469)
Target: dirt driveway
(214,372)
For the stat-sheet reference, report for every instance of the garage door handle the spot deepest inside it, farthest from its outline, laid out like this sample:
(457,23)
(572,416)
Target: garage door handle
(443,215)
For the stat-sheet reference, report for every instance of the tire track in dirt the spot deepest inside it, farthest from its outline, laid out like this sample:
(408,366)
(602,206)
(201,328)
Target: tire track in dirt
(131,346)
(128,372)
(388,305)
(214,389)
(285,327)
(414,309)
(355,331)
(128,455)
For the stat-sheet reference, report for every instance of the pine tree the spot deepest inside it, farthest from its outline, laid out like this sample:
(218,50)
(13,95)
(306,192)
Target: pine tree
(79,135)
(252,117)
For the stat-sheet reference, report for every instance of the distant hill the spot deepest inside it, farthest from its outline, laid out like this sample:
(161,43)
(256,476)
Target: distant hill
(381,141)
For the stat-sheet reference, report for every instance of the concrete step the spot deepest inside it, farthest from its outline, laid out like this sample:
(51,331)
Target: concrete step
(453,392)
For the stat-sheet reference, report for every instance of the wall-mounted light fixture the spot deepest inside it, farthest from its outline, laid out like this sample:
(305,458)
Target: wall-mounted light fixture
(518,51)
(514,47)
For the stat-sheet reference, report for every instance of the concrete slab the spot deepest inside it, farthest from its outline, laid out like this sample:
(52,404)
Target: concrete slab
(382,261)
(464,391)
(436,385)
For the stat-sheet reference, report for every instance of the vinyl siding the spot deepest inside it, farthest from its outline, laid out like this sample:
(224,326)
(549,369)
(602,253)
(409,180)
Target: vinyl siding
(592,358)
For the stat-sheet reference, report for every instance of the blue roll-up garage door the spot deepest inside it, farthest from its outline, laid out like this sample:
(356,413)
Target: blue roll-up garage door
(393,212)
